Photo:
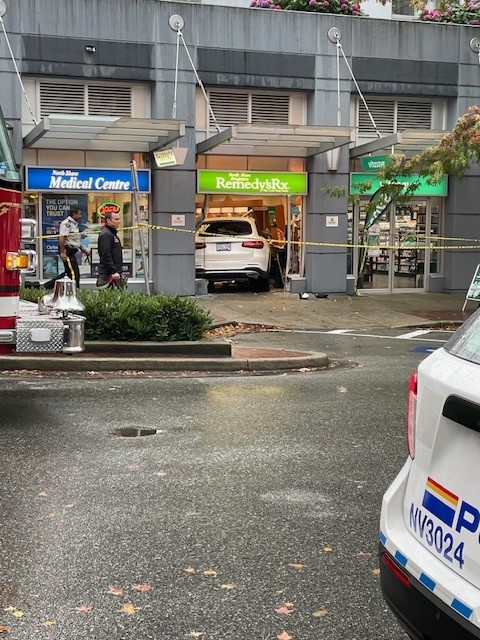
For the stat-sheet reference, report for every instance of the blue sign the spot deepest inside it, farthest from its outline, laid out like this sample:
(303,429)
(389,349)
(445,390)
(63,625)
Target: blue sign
(84,179)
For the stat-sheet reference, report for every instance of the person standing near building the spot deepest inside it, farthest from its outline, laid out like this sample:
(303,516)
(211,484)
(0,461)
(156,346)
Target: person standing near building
(69,245)
(278,254)
(110,253)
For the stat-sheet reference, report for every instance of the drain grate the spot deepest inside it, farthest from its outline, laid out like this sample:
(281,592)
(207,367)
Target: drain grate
(132,432)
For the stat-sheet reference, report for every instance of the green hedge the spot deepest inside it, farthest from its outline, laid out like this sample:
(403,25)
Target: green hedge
(133,316)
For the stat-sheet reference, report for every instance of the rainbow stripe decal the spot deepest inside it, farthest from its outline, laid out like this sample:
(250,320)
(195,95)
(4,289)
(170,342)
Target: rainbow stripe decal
(441,502)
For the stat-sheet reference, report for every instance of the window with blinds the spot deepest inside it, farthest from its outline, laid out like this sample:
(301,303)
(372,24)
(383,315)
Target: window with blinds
(232,107)
(391,116)
(85,99)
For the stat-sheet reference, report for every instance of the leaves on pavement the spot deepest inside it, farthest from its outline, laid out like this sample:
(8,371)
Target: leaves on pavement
(327,549)
(319,613)
(190,570)
(284,636)
(227,586)
(84,608)
(297,565)
(284,611)
(48,623)
(129,609)
(210,573)
(115,591)
(142,587)
(4,629)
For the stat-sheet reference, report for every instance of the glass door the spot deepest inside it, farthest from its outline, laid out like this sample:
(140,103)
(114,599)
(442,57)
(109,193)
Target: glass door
(397,252)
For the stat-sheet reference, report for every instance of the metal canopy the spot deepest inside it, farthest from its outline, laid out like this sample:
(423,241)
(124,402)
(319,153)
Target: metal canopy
(407,140)
(103,133)
(276,140)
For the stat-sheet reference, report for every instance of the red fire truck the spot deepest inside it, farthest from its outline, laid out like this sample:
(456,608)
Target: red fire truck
(22,326)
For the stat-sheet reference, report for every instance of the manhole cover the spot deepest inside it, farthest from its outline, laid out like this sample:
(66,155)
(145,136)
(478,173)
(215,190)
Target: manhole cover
(132,432)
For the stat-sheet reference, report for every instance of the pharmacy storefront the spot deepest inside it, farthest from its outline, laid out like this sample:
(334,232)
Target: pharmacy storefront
(52,192)
(273,199)
(398,246)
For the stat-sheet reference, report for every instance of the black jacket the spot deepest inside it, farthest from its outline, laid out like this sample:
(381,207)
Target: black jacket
(109,251)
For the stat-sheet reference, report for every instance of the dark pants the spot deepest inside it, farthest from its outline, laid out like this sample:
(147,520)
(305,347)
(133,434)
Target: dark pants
(278,270)
(74,272)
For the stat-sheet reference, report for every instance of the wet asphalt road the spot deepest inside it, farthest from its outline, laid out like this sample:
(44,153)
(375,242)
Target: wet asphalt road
(251,513)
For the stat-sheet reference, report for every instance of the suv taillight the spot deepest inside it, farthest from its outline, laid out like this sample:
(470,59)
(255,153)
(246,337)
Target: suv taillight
(253,244)
(200,245)
(412,414)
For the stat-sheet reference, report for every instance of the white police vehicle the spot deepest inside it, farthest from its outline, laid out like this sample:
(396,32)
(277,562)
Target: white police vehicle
(430,520)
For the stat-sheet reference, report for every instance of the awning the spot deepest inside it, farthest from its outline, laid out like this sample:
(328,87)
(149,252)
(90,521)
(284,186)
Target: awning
(408,140)
(103,133)
(276,140)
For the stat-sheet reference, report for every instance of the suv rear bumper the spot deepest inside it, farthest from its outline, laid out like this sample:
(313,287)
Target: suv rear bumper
(250,273)
(420,612)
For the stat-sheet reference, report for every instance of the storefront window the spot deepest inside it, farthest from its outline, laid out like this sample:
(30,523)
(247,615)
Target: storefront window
(51,208)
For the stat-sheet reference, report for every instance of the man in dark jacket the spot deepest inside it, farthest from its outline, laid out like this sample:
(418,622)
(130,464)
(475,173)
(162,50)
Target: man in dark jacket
(110,253)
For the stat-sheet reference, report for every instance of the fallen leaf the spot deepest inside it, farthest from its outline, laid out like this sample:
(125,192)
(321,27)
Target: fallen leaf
(283,611)
(327,549)
(51,515)
(17,613)
(129,609)
(84,608)
(290,605)
(279,591)
(48,623)
(161,474)
(376,571)
(297,565)
(70,505)
(210,573)
(10,608)
(195,634)
(115,591)
(43,494)
(319,613)
(190,570)
(142,587)
(4,630)
(364,554)
(227,586)
(284,636)
(342,389)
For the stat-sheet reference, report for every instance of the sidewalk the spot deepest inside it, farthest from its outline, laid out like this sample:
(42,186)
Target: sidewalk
(373,311)
(273,309)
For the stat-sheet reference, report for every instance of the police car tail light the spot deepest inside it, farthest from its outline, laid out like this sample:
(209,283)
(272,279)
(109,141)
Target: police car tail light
(395,570)
(200,245)
(412,414)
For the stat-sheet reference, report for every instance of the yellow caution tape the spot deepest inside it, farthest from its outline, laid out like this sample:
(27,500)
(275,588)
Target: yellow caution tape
(306,243)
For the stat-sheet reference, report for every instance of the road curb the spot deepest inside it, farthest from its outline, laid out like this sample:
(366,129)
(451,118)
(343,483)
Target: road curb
(71,364)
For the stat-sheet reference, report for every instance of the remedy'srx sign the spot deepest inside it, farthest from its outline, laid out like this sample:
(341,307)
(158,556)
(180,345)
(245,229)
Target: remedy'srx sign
(84,179)
(251,182)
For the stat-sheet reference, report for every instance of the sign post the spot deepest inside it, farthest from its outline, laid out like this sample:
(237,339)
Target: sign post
(473,292)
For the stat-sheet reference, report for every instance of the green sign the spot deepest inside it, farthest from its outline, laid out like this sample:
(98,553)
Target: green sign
(251,182)
(373,163)
(424,189)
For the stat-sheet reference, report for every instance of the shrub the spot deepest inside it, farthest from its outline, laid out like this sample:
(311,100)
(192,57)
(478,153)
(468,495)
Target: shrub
(453,13)
(346,7)
(133,316)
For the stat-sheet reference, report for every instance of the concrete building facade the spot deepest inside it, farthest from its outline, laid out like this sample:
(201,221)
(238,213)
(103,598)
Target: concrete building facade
(69,53)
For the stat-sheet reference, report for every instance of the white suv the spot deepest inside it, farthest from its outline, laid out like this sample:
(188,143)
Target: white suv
(231,249)
(430,520)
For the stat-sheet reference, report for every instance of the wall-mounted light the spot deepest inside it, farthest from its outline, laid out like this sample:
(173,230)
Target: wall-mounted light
(90,48)
(333,159)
